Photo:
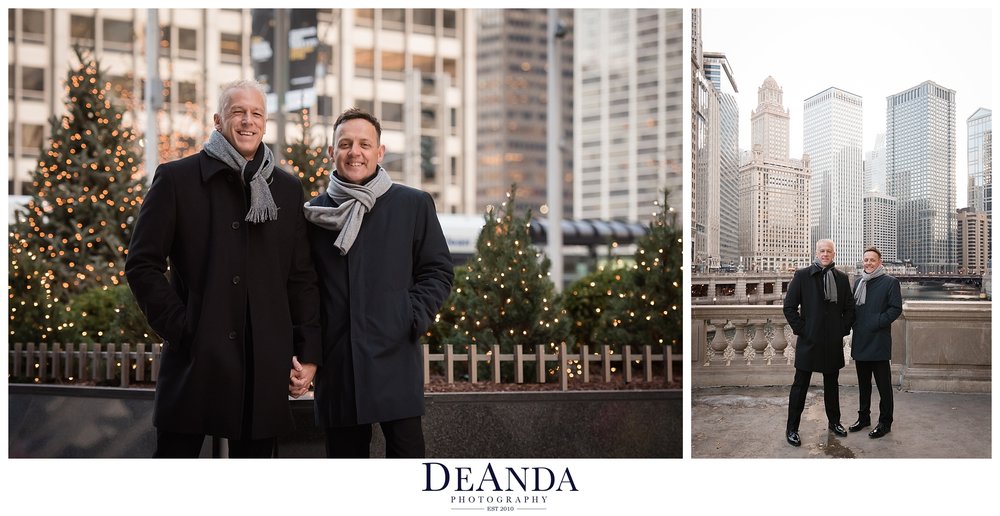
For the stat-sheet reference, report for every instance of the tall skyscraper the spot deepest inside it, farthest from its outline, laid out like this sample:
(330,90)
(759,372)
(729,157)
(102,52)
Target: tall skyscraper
(725,131)
(973,241)
(774,191)
(831,137)
(980,152)
(627,125)
(879,226)
(920,158)
(875,166)
(511,107)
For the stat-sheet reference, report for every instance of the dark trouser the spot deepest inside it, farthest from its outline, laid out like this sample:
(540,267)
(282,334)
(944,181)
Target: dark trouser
(404,438)
(880,370)
(797,397)
(175,445)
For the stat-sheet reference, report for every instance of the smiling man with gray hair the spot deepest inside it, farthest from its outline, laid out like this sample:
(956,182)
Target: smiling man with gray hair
(820,309)
(240,310)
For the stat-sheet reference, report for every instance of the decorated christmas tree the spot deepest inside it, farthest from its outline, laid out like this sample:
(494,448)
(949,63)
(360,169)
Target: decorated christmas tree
(73,234)
(503,295)
(653,309)
(309,163)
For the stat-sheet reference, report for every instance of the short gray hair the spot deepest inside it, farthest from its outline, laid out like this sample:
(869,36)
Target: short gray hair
(241,84)
(820,241)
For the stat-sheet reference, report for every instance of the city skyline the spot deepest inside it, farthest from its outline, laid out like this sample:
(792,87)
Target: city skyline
(895,51)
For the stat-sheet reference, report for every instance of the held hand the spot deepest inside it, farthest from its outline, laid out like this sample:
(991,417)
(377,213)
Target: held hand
(300,377)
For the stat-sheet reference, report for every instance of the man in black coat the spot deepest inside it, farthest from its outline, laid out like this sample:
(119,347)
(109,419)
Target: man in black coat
(879,303)
(820,309)
(384,271)
(239,315)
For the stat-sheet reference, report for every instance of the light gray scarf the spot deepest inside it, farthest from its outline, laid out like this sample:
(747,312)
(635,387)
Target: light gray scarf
(829,282)
(354,201)
(262,207)
(861,292)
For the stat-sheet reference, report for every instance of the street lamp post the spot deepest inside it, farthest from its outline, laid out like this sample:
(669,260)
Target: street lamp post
(554,162)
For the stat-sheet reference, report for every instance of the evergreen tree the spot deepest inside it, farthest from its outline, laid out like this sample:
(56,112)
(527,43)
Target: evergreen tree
(653,310)
(503,295)
(308,163)
(75,229)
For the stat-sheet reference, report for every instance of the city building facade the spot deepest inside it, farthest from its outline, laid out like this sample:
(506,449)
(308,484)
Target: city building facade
(512,77)
(879,227)
(973,241)
(774,191)
(874,178)
(980,164)
(727,132)
(920,157)
(831,137)
(412,68)
(627,120)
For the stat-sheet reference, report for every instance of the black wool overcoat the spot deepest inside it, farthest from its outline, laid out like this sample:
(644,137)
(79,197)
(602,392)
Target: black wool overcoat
(220,266)
(820,325)
(872,339)
(376,301)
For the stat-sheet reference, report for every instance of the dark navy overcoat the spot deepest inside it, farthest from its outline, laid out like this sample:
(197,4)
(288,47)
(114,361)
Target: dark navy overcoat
(376,301)
(872,339)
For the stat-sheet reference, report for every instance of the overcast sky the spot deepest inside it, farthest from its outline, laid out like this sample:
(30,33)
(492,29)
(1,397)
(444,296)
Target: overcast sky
(873,53)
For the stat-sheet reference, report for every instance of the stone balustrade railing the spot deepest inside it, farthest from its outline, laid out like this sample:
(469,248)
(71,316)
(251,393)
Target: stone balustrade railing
(937,345)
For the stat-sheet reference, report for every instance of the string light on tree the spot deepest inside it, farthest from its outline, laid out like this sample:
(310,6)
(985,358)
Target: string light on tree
(74,231)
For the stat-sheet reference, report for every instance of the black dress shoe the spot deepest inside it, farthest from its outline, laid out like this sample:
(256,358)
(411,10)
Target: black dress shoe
(859,424)
(880,431)
(838,429)
(793,438)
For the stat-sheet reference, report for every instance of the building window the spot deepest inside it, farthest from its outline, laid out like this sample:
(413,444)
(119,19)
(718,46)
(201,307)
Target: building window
(365,105)
(31,139)
(32,82)
(392,114)
(393,64)
(118,35)
(451,68)
(428,118)
(187,43)
(449,22)
(165,37)
(324,105)
(231,48)
(122,88)
(81,29)
(32,24)
(363,62)
(364,17)
(423,21)
(393,19)
(187,92)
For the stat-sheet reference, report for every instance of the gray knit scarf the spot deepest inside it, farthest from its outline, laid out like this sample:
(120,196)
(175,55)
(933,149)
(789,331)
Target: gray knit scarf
(861,292)
(829,282)
(262,207)
(353,202)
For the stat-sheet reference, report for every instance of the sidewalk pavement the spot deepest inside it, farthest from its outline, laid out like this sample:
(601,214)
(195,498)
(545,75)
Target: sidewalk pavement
(749,422)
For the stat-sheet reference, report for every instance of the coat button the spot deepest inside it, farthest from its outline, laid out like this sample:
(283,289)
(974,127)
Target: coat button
(236,224)
(236,280)
(232,335)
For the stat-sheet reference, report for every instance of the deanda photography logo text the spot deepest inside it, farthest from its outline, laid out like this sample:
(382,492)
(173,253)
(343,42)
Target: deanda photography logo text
(497,488)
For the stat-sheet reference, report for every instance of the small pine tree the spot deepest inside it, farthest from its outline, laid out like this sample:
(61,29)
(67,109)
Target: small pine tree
(503,295)
(77,224)
(654,310)
(308,163)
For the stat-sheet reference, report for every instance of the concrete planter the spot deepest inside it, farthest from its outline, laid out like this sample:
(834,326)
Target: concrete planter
(100,422)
